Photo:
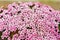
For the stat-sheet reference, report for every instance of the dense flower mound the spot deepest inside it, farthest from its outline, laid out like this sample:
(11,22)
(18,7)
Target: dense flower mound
(29,21)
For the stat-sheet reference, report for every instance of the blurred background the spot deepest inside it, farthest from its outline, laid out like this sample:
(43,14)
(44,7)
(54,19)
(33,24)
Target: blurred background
(53,3)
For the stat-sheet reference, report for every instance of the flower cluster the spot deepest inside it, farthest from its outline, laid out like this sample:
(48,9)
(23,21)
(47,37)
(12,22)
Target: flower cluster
(29,21)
